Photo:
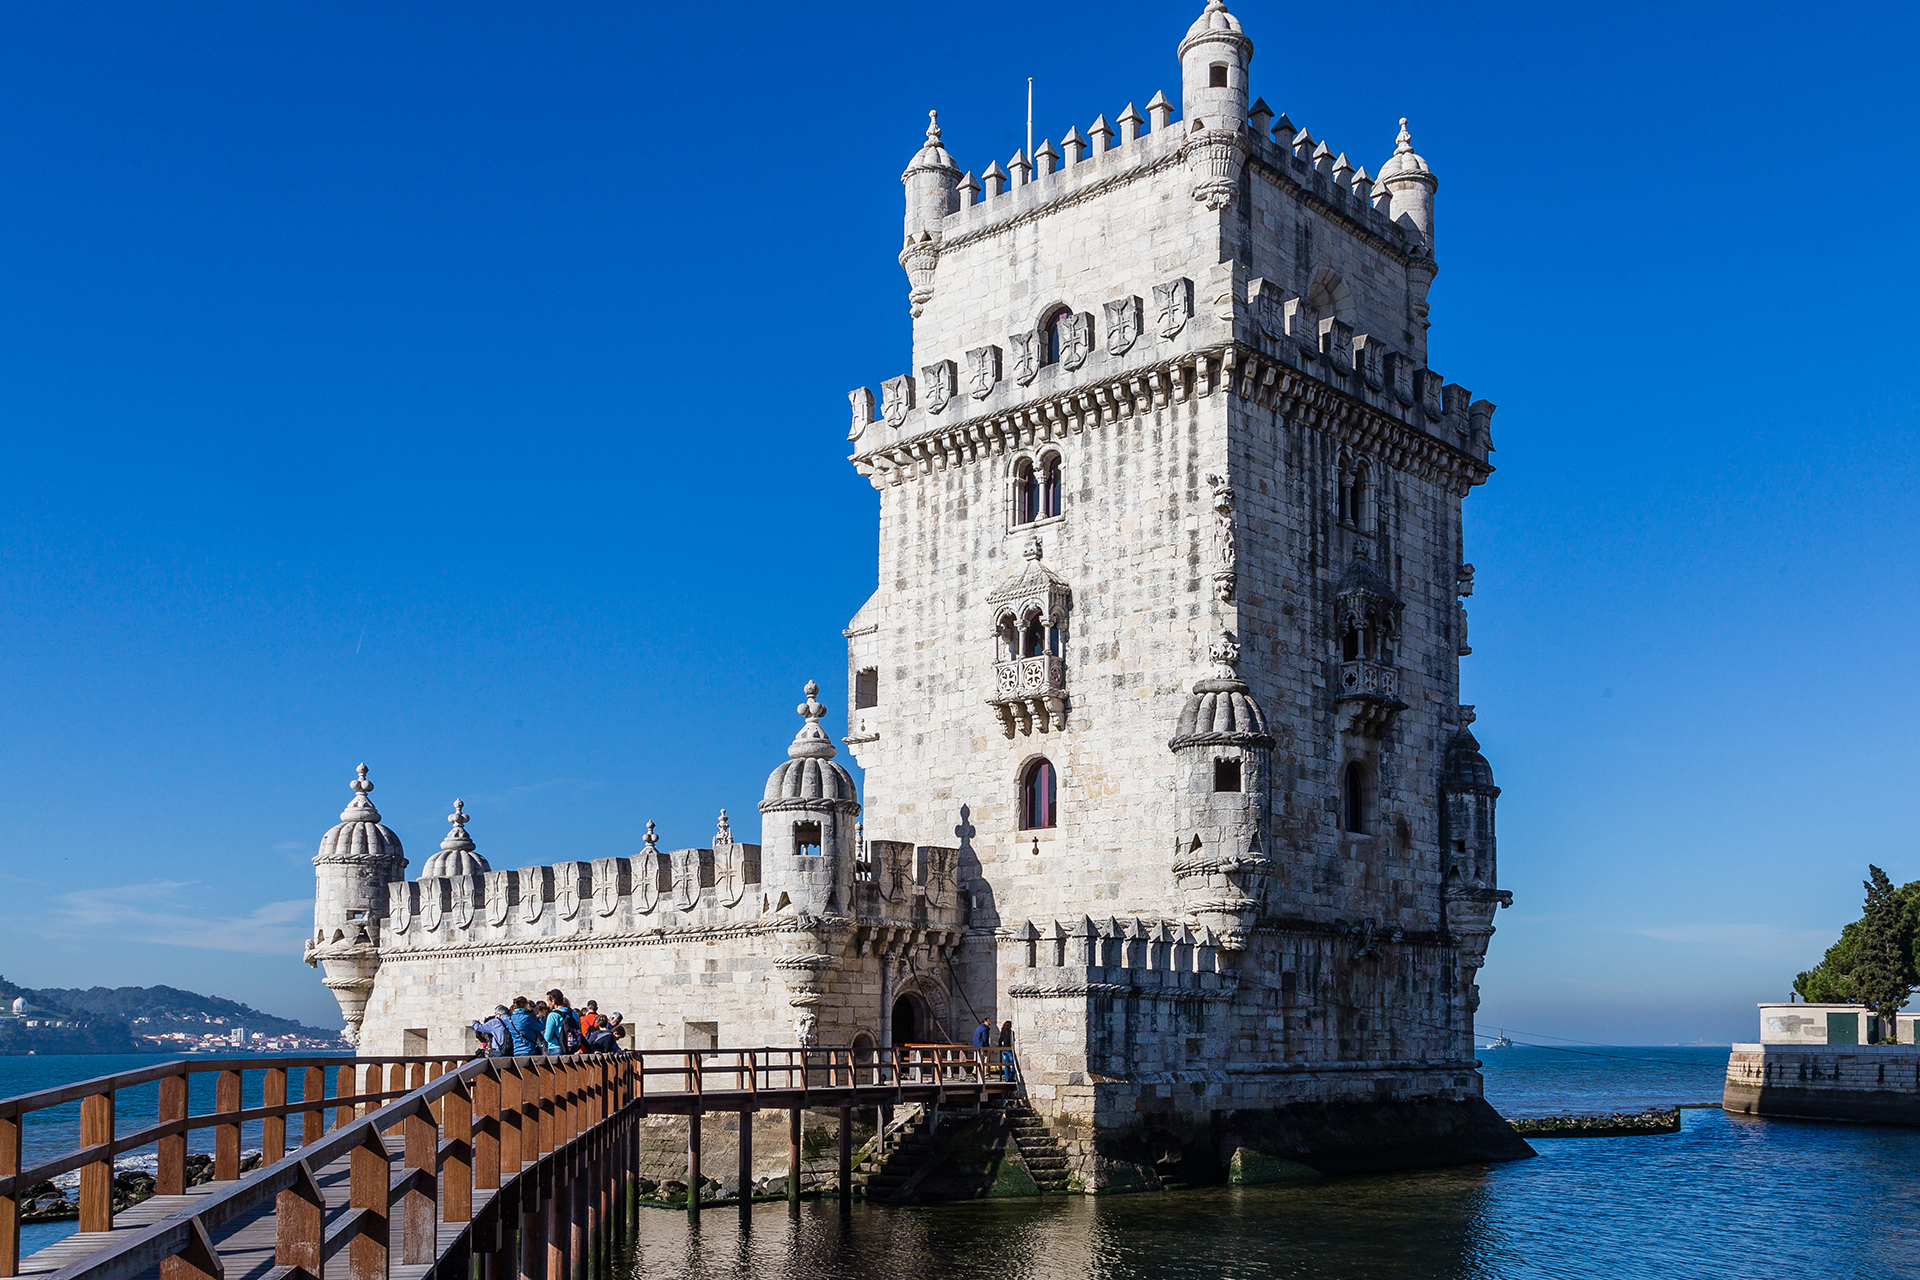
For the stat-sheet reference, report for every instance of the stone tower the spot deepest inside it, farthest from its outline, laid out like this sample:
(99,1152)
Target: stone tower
(1225,845)
(358,858)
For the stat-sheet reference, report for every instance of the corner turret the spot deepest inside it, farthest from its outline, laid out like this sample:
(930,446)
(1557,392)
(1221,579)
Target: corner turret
(932,181)
(807,824)
(358,858)
(1223,765)
(1409,185)
(1213,103)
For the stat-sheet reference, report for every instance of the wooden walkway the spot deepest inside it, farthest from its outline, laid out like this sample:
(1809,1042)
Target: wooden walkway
(527,1166)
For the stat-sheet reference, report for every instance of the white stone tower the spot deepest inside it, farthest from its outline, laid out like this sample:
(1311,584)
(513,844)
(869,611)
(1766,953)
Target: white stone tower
(358,858)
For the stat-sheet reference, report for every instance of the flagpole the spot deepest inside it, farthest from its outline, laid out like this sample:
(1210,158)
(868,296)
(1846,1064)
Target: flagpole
(1029,119)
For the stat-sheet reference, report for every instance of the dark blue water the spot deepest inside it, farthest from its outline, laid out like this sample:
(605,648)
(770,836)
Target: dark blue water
(1725,1196)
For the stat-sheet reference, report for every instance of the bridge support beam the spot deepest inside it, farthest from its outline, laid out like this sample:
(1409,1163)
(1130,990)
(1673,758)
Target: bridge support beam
(580,1217)
(746,1163)
(793,1159)
(559,1226)
(533,1245)
(846,1157)
(693,1166)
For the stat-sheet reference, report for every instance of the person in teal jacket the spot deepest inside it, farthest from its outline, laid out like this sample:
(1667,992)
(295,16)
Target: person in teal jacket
(563,1025)
(525,1029)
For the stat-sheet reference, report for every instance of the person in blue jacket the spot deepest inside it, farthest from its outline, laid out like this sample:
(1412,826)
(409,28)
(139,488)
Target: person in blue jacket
(525,1029)
(563,1025)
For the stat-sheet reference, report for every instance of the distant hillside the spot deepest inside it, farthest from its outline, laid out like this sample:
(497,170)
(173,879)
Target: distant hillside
(152,1010)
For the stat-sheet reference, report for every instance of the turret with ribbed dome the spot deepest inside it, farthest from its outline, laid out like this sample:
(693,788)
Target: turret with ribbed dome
(807,823)
(932,181)
(1223,760)
(457,856)
(358,858)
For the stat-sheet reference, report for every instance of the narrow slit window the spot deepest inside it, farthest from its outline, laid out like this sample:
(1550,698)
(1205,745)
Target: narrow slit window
(1353,798)
(1218,77)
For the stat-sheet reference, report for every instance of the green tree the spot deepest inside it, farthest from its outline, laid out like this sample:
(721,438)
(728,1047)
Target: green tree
(1835,979)
(1883,968)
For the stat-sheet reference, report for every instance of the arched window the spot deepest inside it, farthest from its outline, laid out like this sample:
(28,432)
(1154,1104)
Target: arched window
(1039,795)
(1053,339)
(1026,493)
(1033,636)
(1353,798)
(1356,497)
(1049,504)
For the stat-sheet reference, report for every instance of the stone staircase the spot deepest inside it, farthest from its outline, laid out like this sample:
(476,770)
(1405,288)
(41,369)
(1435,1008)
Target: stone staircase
(1038,1151)
(895,1158)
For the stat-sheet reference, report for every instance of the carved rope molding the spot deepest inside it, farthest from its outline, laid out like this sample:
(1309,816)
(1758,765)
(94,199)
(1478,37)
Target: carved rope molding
(1233,368)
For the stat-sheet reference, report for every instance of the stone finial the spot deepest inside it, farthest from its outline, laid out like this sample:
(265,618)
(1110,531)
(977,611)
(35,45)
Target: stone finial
(652,840)
(1102,134)
(1021,168)
(1466,709)
(1046,159)
(457,838)
(1076,147)
(1130,121)
(360,808)
(723,834)
(1225,654)
(933,130)
(1403,145)
(812,740)
(1161,111)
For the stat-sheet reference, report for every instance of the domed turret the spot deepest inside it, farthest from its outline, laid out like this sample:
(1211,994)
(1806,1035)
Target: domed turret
(932,181)
(456,856)
(807,823)
(358,858)
(1467,800)
(1213,103)
(1223,760)
(1411,185)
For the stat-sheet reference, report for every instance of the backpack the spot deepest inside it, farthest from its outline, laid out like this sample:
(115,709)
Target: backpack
(570,1039)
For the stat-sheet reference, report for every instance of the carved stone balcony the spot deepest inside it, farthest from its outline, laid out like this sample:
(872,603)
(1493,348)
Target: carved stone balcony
(1030,694)
(1370,696)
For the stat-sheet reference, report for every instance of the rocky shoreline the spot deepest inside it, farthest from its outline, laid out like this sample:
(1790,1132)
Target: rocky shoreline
(1655,1120)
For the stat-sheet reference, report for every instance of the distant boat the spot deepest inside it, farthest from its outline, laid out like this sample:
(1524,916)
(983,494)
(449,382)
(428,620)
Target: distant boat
(1504,1042)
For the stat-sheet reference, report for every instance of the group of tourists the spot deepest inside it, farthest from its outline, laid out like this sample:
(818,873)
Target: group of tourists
(527,1028)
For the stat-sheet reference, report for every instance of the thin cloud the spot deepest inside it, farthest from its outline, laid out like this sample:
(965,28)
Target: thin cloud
(1744,939)
(164,913)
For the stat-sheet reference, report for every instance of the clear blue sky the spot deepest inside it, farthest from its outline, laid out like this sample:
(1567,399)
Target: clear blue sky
(461,388)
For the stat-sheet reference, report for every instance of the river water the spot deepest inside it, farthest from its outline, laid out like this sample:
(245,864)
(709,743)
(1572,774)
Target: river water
(1726,1195)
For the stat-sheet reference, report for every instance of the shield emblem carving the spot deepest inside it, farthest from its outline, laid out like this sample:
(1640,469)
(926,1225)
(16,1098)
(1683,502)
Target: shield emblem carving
(938,385)
(686,878)
(1076,339)
(983,371)
(606,886)
(432,910)
(729,874)
(939,881)
(400,905)
(646,882)
(1123,324)
(499,896)
(464,888)
(1025,363)
(1173,302)
(896,399)
(533,894)
(566,892)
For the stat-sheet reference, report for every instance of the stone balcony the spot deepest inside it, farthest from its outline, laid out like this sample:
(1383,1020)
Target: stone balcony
(1370,696)
(1030,694)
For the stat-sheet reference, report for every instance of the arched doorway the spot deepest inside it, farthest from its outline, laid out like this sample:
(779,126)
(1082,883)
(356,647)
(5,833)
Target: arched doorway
(909,1020)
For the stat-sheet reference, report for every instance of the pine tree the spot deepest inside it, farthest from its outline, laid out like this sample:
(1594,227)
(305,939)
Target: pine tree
(1883,971)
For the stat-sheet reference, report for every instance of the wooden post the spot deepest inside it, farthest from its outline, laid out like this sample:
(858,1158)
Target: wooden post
(313,1121)
(559,1228)
(96,1177)
(533,1245)
(693,1164)
(299,1222)
(549,1120)
(197,1261)
(846,1157)
(511,1130)
(343,1091)
(580,1220)
(226,1137)
(367,1187)
(486,1122)
(10,1203)
(170,1177)
(746,1162)
(418,1219)
(456,1154)
(503,1216)
(273,1129)
(793,1158)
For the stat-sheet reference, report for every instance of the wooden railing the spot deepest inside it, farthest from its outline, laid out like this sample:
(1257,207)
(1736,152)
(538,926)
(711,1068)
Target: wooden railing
(514,1160)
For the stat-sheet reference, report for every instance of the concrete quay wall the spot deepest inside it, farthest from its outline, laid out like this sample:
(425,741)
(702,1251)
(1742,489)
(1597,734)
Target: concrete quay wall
(1870,1084)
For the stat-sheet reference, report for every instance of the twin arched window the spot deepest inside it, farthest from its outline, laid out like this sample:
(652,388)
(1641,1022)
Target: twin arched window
(1029,637)
(1365,639)
(1036,490)
(1039,796)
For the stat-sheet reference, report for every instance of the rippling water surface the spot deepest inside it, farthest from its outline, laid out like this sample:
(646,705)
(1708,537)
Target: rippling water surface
(1725,1196)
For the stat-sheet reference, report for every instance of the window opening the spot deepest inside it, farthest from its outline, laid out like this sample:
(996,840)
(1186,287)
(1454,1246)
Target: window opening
(1038,796)
(866,688)
(1218,78)
(806,839)
(1050,487)
(1052,335)
(1026,493)
(1226,775)
(1353,798)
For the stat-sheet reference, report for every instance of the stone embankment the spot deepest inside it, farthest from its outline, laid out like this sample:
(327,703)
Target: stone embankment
(1620,1124)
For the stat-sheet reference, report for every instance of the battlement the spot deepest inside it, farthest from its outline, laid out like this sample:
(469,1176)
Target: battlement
(714,889)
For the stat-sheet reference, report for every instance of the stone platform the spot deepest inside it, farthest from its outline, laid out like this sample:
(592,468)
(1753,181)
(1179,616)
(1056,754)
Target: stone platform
(1867,1084)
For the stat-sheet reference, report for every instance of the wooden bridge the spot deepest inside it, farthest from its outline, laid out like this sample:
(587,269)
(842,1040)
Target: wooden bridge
(459,1169)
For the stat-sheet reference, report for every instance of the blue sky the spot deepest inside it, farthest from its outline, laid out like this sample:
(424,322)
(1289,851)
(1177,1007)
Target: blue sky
(461,388)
